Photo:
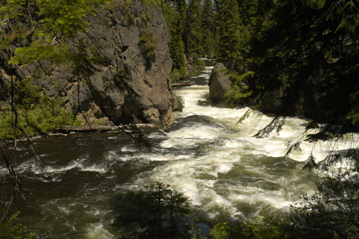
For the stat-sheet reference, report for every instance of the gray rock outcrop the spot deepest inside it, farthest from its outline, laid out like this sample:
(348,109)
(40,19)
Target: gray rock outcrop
(128,85)
(219,83)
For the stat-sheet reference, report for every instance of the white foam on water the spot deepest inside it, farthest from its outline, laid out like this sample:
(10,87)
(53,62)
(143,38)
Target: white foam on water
(193,94)
(200,177)
(94,168)
(64,209)
(197,131)
(114,156)
(129,148)
(165,157)
(80,164)
(196,177)
(98,231)
(217,204)
(203,74)
(189,136)
(181,176)
(292,130)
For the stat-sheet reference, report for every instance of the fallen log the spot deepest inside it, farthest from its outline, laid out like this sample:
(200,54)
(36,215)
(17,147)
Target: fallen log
(87,128)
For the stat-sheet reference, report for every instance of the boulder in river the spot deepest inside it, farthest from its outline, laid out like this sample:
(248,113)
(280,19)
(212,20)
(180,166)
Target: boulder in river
(219,83)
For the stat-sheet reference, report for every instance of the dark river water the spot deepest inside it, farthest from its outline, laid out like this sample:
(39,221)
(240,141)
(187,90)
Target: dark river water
(208,156)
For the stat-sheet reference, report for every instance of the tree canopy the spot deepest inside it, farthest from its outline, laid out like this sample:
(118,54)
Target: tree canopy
(290,57)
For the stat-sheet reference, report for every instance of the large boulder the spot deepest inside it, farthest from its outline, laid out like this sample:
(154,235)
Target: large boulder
(219,83)
(130,84)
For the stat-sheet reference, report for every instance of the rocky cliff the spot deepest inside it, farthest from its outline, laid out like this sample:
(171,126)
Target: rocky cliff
(129,84)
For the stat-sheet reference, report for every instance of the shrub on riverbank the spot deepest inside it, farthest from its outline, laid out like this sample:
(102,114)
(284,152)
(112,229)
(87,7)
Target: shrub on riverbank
(31,113)
(13,229)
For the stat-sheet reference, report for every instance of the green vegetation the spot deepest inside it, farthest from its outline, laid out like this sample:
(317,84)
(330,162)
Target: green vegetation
(32,112)
(304,53)
(48,24)
(174,13)
(14,230)
(267,228)
(191,34)
(229,32)
(156,211)
(147,44)
(45,32)
(239,89)
(332,211)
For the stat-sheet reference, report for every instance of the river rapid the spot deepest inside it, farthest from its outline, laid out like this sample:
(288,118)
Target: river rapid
(209,155)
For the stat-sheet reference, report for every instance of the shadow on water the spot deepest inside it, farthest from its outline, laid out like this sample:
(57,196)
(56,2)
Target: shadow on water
(225,174)
(69,184)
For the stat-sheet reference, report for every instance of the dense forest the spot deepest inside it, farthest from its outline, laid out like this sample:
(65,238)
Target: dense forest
(284,57)
(302,55)
(294,57)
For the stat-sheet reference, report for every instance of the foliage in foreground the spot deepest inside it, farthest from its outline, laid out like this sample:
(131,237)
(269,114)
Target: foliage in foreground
(156,211)
(14,230)
(266,228)
(331,212)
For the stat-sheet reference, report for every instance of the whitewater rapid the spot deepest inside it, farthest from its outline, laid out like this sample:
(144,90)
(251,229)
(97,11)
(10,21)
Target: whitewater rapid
(215,160)
(210,155)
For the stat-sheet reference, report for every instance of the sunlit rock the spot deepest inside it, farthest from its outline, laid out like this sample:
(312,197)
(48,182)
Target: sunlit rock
(219,84)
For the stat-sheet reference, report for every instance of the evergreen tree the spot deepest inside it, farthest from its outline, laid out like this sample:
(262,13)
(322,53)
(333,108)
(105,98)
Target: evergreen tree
(174,13)
(193,36)
(208,29)
(304,52)
(156,210)
(333,210)
(229,32)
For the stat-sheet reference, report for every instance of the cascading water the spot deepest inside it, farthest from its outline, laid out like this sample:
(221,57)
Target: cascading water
(209,155)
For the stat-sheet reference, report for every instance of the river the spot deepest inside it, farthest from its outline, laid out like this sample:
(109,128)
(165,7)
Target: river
(208,155)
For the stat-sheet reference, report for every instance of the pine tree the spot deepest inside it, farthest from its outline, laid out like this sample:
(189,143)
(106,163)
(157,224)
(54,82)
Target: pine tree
(313,55)
(229,32)
(175,13)
(156,209)
(208,29)
(304,53)
(193,36)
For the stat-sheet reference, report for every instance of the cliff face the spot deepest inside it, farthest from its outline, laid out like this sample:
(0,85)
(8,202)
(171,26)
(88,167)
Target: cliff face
(129,83)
